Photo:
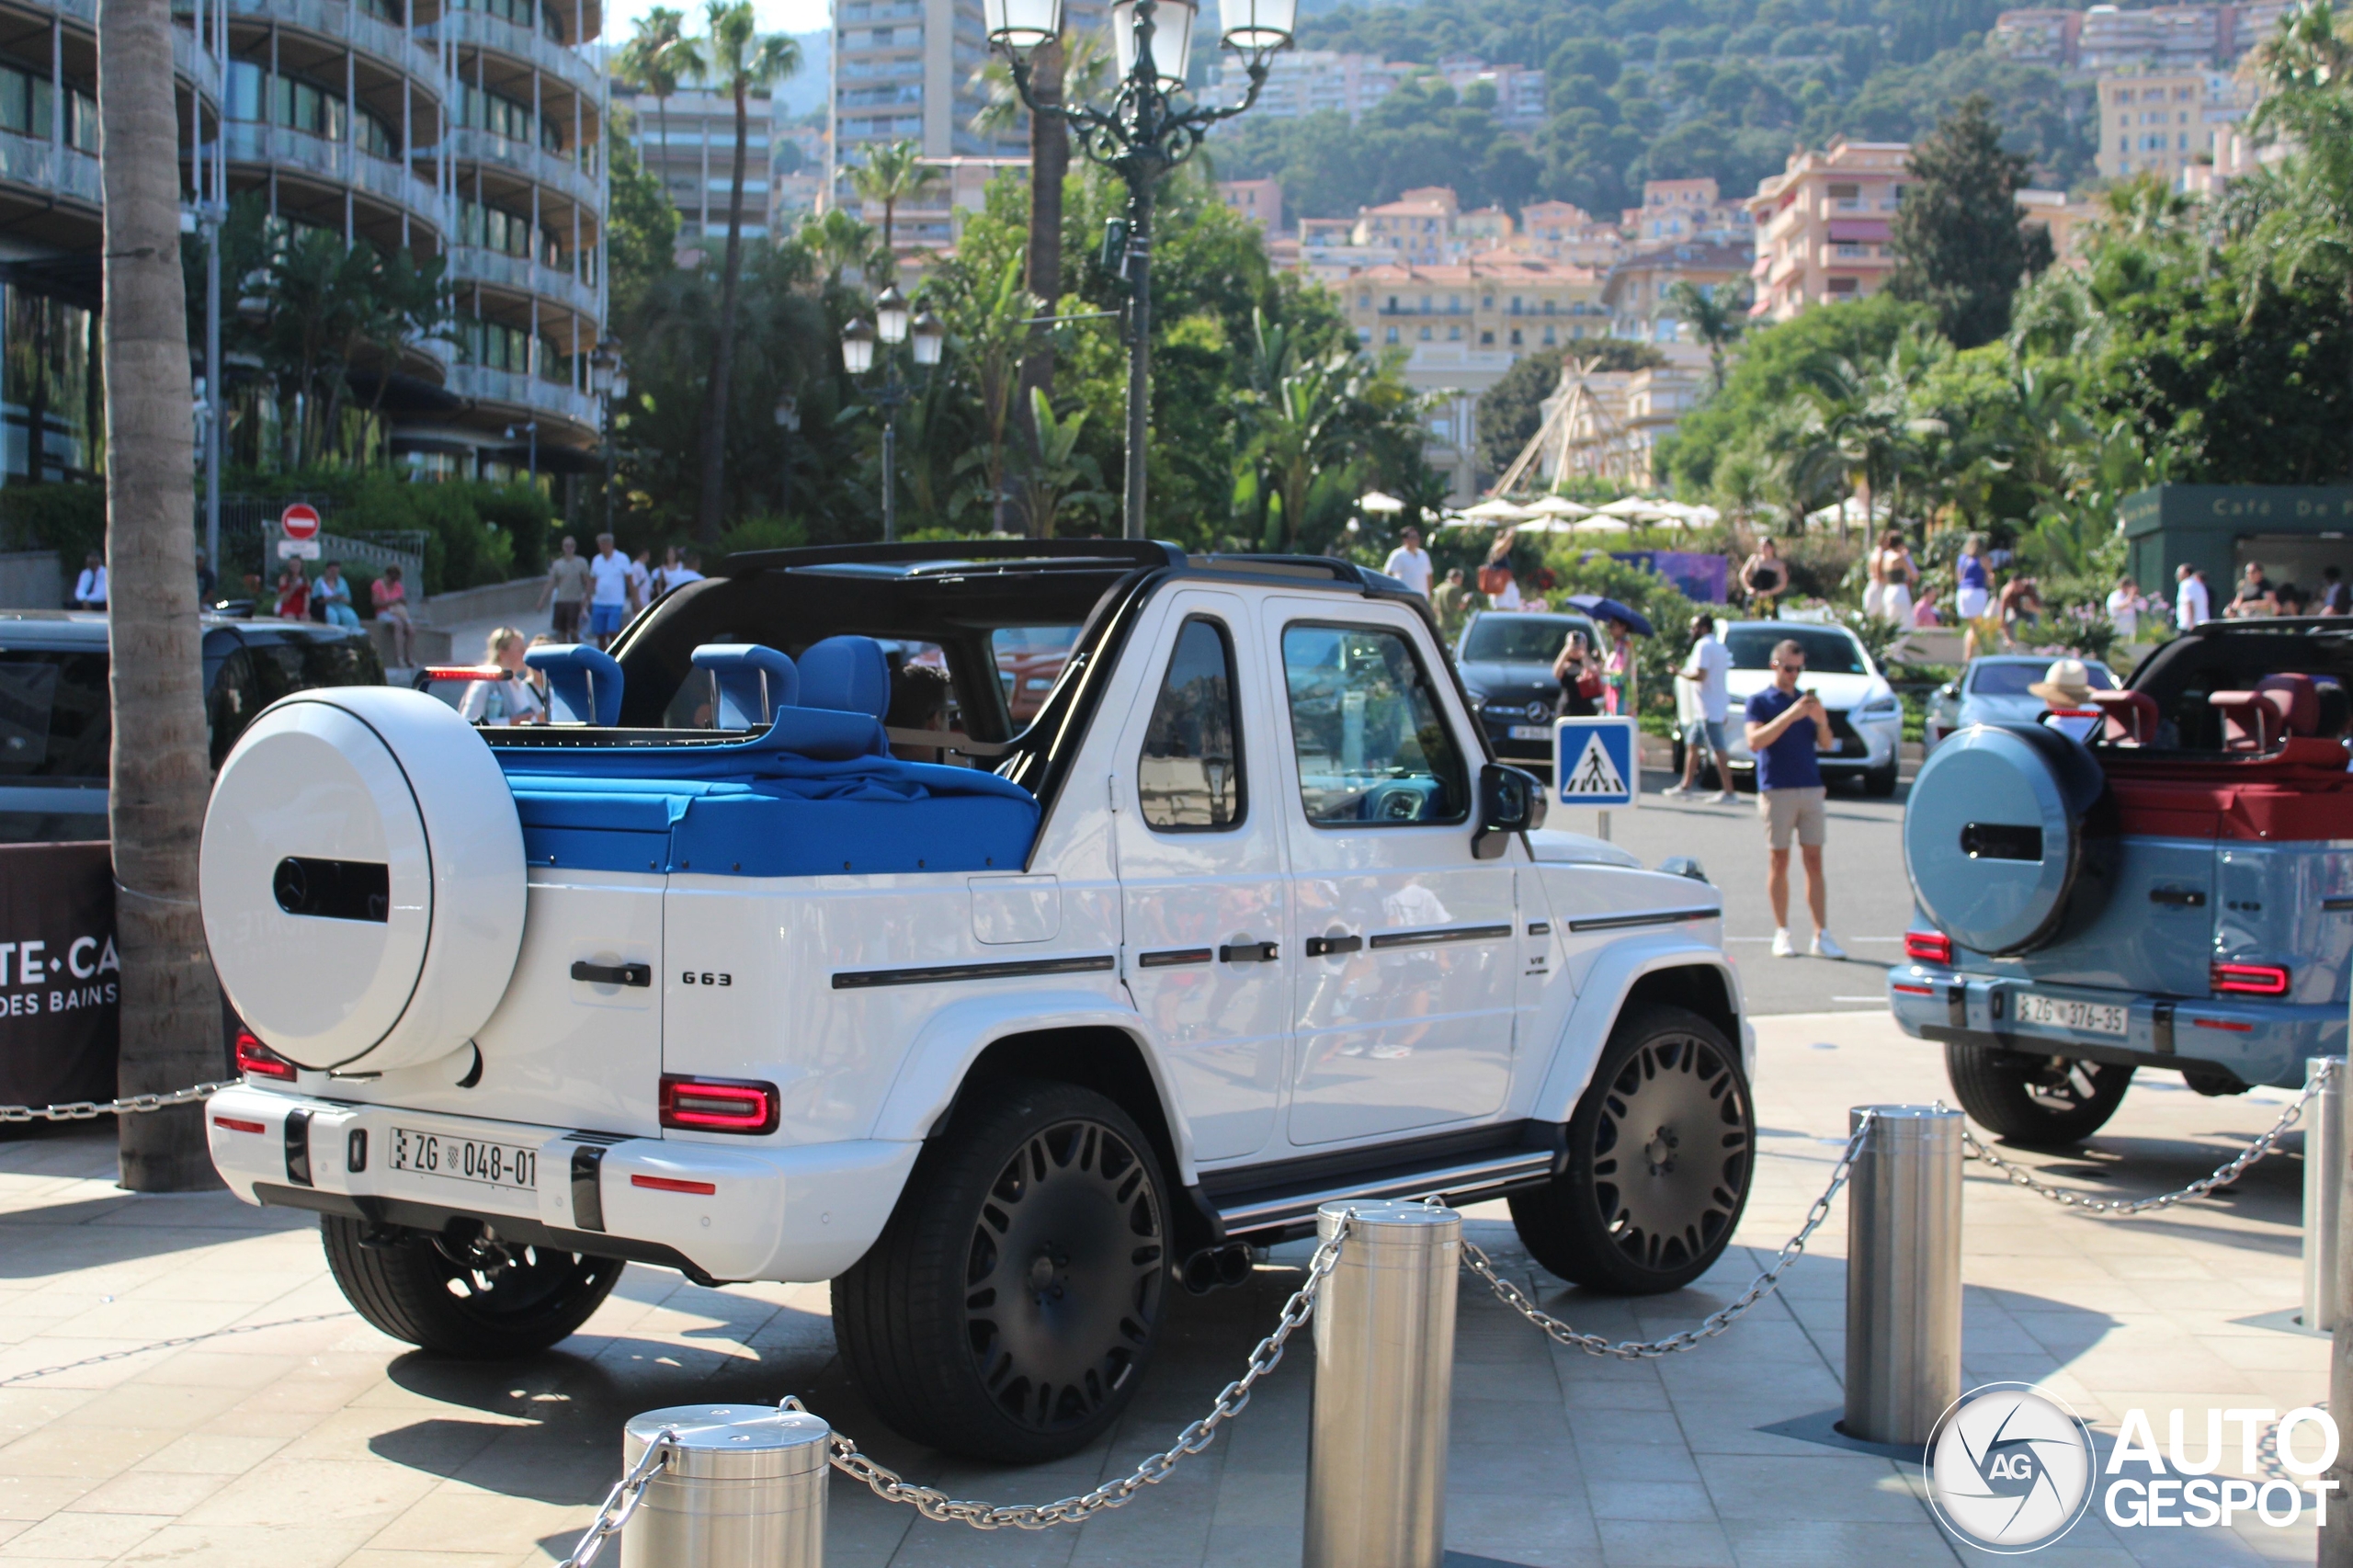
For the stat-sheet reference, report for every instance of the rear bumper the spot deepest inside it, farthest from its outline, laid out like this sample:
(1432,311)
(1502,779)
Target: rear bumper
(2254,1041)
(803,1213)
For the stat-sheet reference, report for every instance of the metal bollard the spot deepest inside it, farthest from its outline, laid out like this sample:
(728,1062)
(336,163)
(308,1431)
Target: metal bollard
(2324,1195)
(1384,1387)
(744,1488)
(1903,1273)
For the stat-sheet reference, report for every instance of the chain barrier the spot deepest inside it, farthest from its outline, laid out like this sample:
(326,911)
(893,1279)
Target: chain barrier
(940,1507)
(1723,1318)
(623,1500)
(2226,1174)
(129,1105)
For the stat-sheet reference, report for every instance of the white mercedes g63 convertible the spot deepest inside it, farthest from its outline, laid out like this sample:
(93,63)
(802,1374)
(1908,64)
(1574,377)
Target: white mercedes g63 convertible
(1009,933)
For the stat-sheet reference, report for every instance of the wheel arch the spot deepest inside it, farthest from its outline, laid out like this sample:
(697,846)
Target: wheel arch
(1668,970)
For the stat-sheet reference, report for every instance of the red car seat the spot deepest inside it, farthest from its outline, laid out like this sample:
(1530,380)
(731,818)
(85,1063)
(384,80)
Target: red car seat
(2280,706)
(2126,718)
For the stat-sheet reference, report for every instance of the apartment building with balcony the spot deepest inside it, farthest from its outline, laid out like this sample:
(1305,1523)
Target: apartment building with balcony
(2107,38)
(2167,122)
(1259,202)
(1684,211)
(1561,231)
(688,142)
(1822,226)
(1640,295)
(1300,81)
(1518,89)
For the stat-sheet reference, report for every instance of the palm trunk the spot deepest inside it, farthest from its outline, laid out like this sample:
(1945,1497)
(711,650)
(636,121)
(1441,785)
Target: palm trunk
(1049,166)
(711,515)
(160,775)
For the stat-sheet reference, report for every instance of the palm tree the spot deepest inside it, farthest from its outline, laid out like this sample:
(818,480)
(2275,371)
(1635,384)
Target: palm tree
(159,772)
(743,60)
(893,173)
(843,240)
(1059,475)
(657,56)
(1715,315)
(988,325)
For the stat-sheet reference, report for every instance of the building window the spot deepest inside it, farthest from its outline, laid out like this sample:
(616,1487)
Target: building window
(1392,335)
(1515,337)
(1842,286)
(1548,338)
(1426,335)
(1486,340)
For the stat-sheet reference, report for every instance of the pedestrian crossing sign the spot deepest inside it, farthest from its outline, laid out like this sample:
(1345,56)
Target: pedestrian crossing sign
(1594,763)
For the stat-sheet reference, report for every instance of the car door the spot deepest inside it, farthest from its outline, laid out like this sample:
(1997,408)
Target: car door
(1201,877)
(1408,954)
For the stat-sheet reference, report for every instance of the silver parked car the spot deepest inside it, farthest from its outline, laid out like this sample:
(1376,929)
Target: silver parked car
(1993,691)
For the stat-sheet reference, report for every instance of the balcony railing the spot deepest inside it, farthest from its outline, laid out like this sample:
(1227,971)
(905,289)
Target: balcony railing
(485,31)
(548,169)
(476,264)
(337,161)
(486,385)
(64,172)
(371,35)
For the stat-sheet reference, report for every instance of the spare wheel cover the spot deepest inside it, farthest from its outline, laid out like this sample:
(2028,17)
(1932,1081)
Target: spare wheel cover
(1993,833)
(362,879)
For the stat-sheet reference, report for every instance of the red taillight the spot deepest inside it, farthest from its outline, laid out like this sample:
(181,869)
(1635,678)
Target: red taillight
(236,1124)
(671,1184)
(463,672)
(2232,1024)
(260,1061)
(1928,946)
(1915,990)
(2251,979)
(718,1105)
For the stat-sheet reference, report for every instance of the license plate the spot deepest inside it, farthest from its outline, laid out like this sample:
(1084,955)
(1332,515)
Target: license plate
(1530,732)
(2098,1017)
(510,1166)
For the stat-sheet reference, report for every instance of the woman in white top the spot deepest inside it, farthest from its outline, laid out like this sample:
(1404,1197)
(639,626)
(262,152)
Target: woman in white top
(511,699)
(1889,595)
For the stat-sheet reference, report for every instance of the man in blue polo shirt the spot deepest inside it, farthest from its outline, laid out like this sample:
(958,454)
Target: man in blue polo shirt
(1786,727)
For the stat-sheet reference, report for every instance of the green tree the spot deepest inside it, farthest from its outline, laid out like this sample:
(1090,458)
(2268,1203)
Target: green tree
(158,770)
(1960,247)
(1715,315)
(1057,474)
(743,61)
(892,174)
(641,224)
(656,59)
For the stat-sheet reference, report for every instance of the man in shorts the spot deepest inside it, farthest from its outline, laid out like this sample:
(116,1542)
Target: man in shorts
(1704,683)
(1784,728)
(609,592)
(568,587)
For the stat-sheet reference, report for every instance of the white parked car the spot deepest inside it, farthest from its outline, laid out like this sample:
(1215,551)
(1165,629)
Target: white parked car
(1866,716)
(1007,1046)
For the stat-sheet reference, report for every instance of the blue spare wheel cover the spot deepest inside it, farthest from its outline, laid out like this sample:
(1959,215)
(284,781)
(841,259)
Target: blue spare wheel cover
(1994,834)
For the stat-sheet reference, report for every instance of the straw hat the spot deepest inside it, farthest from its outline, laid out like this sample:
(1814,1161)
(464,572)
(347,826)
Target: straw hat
(2066,684)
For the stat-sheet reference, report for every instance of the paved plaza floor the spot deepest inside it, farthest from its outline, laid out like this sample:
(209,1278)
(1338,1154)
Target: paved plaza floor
(180,1382)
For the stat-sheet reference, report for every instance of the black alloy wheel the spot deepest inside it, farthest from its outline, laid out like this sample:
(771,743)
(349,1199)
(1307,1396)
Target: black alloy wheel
(1011,1306)
(465,1291)
(2039,1102)
(1660,1154)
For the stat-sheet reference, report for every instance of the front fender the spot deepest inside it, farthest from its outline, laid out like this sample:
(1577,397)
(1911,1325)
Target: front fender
(948,1043)
(1602,998)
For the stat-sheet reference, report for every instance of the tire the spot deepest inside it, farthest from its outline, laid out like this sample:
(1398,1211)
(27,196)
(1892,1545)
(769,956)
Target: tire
(1010,1307)
(1879,782)
(450,1295)
(2042,1102)
(1669,1092)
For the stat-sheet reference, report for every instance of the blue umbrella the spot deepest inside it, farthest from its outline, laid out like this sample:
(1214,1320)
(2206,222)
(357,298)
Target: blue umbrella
(1602,609)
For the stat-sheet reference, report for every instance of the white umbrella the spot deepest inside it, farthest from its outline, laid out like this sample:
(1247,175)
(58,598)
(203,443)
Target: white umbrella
(1374,501)
(1603,525)
(1550,526)
(1457,521)
(1557,506)
(1633,506)
(1496,511)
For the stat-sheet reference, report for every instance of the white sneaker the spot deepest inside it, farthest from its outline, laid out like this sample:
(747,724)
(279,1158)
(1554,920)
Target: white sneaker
(1826,946)
(1783,947)
(1674,792)
(1729,798)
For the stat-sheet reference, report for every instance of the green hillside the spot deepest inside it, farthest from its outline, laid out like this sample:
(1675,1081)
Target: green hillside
(1651,89)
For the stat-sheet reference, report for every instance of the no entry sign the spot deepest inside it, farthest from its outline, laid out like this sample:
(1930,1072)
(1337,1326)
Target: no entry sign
(299,521)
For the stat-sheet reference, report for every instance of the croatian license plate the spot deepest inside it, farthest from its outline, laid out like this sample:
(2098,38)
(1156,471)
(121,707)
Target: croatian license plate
(1532,732)
(510,1166)
(2098,1017)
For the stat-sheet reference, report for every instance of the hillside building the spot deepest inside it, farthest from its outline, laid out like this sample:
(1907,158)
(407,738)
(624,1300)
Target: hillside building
(1258,200)
(1685,211)
(1822,226)
(1638,293)
(2110,37)
(2165,122)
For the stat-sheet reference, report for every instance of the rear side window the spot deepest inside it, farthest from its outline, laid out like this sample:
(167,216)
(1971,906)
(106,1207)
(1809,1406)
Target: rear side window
(1189,778)
(54,721)
(1372,743)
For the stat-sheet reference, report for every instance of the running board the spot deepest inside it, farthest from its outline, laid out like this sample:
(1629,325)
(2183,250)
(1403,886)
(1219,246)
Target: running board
(1503,1171)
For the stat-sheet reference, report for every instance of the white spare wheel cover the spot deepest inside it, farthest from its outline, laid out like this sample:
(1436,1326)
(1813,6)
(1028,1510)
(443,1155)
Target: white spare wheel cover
(362,879)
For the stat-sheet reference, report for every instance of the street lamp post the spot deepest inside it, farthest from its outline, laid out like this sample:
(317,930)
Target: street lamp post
(530,429)
(1145,132)
(787,420)
(891,327)
(609,378)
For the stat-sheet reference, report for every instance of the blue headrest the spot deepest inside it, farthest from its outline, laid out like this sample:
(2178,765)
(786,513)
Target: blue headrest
(845,673)
(584,683)
(753,683)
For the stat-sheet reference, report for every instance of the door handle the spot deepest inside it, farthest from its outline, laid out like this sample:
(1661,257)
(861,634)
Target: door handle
(1332,946)
(2179,898)
(1247,952)
(613,974)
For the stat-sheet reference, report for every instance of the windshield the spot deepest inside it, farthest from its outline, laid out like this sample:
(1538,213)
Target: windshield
(1520,638)
(1029,659)
(2012,681)
(1828,652)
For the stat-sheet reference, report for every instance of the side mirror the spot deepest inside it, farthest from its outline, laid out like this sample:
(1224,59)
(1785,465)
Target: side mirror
(1950,688)
(1510,801)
